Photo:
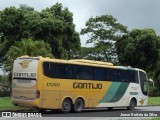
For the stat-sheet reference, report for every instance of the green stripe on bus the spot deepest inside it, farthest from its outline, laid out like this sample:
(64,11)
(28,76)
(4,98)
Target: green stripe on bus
(120,92)
(111,92)
(115,92)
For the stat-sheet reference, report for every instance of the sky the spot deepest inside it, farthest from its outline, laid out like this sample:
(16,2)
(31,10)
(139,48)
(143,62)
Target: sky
(131,13)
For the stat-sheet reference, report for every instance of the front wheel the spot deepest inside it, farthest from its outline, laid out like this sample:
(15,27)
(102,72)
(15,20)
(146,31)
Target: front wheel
(66,106)
(78,105)
(132,104)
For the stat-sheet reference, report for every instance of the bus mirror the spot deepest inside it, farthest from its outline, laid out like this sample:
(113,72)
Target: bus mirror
(150,80)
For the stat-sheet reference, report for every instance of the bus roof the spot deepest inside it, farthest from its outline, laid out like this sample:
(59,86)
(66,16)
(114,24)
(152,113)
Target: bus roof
(92,62)
(83,62)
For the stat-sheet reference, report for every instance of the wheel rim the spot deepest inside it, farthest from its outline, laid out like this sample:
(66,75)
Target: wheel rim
(132,104)
(66,106)
(79,105)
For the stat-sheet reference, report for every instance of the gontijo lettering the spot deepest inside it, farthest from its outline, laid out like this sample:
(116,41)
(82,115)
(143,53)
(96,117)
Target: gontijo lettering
(27,75)
(81,85)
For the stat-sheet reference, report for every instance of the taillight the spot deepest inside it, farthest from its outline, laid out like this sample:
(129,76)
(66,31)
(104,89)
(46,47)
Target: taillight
(37,94)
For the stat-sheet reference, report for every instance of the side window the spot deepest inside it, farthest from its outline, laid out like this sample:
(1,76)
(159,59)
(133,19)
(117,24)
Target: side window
(132,76)
(60,71)
(85,73)
(113,75)
(49,69)
(122,75)
(104,74)
(54,70)
(117,75)
(144,83)
(97,73)
(45,68)
(71,71)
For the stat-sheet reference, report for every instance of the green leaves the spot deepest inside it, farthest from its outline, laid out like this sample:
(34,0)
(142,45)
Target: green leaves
(104,31)
(53,25)
(140,48)
(103,28)
(26,47)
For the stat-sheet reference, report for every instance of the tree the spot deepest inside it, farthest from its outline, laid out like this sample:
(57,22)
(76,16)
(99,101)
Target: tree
(141,48)
(53,25)
(93,53)
(104,31)
(25,47)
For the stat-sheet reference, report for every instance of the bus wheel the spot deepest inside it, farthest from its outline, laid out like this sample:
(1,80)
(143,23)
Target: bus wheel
(78,105)
(110,108)
(132,104)
(41,110)
(66,106)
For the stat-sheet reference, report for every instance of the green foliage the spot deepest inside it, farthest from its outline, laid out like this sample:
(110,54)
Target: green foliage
(103,31)
(154,91)
(95,53)
(4,86)
(26,47)
(141,48)
(53,25)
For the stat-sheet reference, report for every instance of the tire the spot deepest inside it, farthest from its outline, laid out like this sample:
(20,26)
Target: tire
(132,104)
(110,108)
(66,106)
(41,110)
(78,105)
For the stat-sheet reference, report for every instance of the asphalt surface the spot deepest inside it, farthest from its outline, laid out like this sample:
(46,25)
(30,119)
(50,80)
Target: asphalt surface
(117,113)
(151,111)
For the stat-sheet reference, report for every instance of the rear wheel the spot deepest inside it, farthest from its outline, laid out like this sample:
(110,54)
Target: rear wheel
(132,104)
(110,108)
(78,105)
(41,110)
(66,106)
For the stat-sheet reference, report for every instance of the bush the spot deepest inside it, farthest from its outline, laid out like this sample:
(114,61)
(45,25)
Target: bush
(4,86)
(153,91)
(5,93)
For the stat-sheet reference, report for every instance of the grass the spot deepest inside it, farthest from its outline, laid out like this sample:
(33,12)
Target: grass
(158,118)
(154,101)
(6,104)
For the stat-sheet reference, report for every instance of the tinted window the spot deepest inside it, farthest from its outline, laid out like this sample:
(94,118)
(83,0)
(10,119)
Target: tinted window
(48,69)
(85,72)
(143,82)
(69,71)
(132,76)
(116,75)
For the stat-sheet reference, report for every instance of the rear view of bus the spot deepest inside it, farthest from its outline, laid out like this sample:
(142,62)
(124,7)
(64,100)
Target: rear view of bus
(24,82)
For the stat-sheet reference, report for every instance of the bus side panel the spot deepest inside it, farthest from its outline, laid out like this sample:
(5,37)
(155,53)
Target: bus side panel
(51,99)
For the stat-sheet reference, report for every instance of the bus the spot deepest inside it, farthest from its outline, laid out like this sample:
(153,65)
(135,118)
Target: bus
(74,85)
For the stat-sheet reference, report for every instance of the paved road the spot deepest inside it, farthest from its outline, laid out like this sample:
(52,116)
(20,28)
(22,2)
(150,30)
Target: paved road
(151,111)
(93,114)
